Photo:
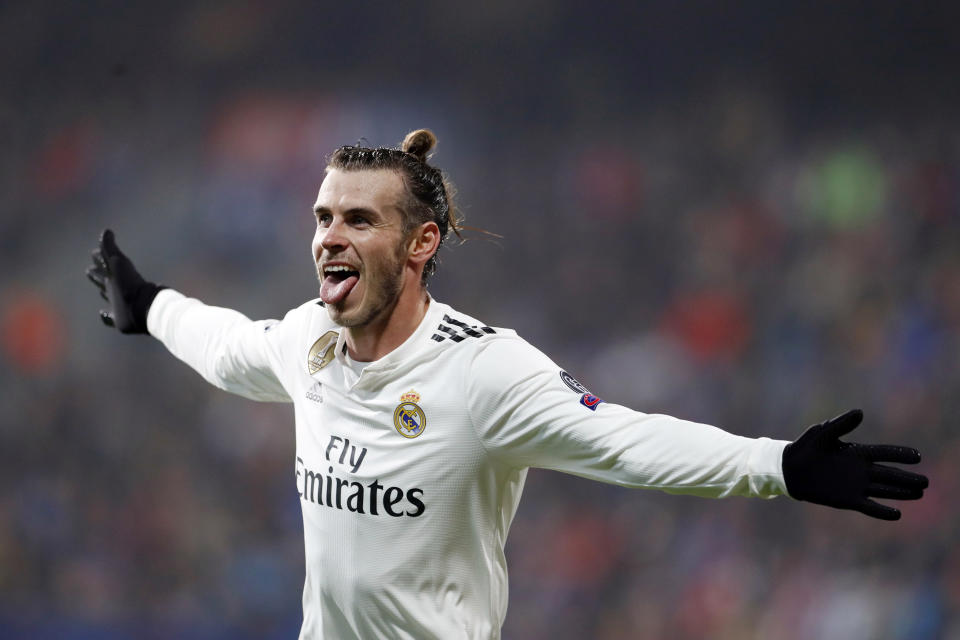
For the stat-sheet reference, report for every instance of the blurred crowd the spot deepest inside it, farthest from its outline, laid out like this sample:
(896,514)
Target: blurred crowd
(750,255)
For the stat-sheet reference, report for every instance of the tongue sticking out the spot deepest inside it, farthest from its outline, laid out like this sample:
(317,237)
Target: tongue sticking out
(334,289)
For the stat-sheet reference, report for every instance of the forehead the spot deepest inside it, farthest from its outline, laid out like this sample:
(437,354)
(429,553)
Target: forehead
(376,189)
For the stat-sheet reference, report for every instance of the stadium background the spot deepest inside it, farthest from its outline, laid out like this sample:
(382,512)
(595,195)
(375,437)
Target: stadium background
(748,216)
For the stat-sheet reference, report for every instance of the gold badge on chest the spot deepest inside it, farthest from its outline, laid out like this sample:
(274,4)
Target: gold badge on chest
(322,352)
(408,417)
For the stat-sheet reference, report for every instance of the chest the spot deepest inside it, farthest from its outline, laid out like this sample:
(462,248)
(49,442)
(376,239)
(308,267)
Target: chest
(413,427)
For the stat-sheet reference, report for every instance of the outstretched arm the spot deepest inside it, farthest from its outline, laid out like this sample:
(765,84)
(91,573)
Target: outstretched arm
(228,349)
(819,468)
(527,416)
(529,413)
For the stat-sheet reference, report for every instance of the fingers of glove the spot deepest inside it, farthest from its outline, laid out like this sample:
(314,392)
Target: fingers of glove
(877,510)
(122,269)
(890,453)
(108,244)
(98,260)
(116,261)
(878,490)
(97,277)
(898,477)
(107,318)
(100,286)
(842,424)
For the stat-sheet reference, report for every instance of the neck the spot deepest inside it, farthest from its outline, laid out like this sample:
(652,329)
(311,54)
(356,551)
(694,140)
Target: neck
(384,334)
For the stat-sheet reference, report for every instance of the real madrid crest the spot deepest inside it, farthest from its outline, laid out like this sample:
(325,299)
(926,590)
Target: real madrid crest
(408,417)
(322,352)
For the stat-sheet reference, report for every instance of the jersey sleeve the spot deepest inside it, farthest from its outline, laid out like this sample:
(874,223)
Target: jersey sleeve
(527,415)
(228,349)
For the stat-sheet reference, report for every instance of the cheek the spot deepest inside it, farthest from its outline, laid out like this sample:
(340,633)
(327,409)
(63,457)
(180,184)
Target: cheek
(315,245)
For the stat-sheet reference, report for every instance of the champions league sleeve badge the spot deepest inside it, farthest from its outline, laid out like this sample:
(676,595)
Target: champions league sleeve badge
(587,399)
(408,417)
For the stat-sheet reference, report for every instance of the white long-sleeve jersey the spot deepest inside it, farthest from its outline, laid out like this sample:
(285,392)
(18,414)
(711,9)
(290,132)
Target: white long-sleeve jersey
(410,474)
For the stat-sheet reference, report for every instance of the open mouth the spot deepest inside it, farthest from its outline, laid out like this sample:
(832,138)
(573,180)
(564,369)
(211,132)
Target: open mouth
(338,281)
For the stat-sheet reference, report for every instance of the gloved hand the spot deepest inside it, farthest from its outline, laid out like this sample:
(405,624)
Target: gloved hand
(819,468)
(129,295)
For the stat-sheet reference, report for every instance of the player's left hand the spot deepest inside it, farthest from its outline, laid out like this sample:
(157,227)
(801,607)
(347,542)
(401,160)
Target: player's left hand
(819,468)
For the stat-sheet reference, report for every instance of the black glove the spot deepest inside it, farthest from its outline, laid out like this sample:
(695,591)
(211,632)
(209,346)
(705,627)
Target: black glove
(129,295)
(819,468)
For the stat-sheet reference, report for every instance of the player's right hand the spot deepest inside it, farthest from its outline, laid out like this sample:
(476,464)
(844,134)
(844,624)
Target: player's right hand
(128,294)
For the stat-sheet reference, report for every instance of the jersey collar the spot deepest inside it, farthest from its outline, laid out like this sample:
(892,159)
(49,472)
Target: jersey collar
(408,351)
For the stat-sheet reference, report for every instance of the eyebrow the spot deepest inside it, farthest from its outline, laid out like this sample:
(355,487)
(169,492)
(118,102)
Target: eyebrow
(352,210)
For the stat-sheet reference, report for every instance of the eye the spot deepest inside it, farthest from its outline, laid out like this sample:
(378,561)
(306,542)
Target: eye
(359,220)
(323,219)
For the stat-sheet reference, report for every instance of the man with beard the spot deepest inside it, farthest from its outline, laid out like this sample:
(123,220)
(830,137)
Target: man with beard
(415,422)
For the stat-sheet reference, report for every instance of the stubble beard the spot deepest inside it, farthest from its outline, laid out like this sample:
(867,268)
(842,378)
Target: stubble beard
(382,292)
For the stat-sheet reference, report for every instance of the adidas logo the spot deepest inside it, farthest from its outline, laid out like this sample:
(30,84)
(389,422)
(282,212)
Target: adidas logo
(458,331)
(314,393)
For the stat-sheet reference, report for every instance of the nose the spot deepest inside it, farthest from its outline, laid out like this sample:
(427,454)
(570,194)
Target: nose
(333,237)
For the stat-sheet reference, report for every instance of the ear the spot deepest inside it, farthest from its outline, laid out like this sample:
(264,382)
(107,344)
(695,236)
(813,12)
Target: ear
(423,243)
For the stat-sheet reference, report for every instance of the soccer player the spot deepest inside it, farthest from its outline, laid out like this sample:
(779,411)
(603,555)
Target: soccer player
(416,423)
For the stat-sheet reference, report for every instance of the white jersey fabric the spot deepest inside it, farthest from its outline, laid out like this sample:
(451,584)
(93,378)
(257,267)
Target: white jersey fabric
(410,473)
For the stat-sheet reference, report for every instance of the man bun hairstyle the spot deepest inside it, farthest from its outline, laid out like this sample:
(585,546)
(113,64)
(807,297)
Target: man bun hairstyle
(430,194)
(419,143)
